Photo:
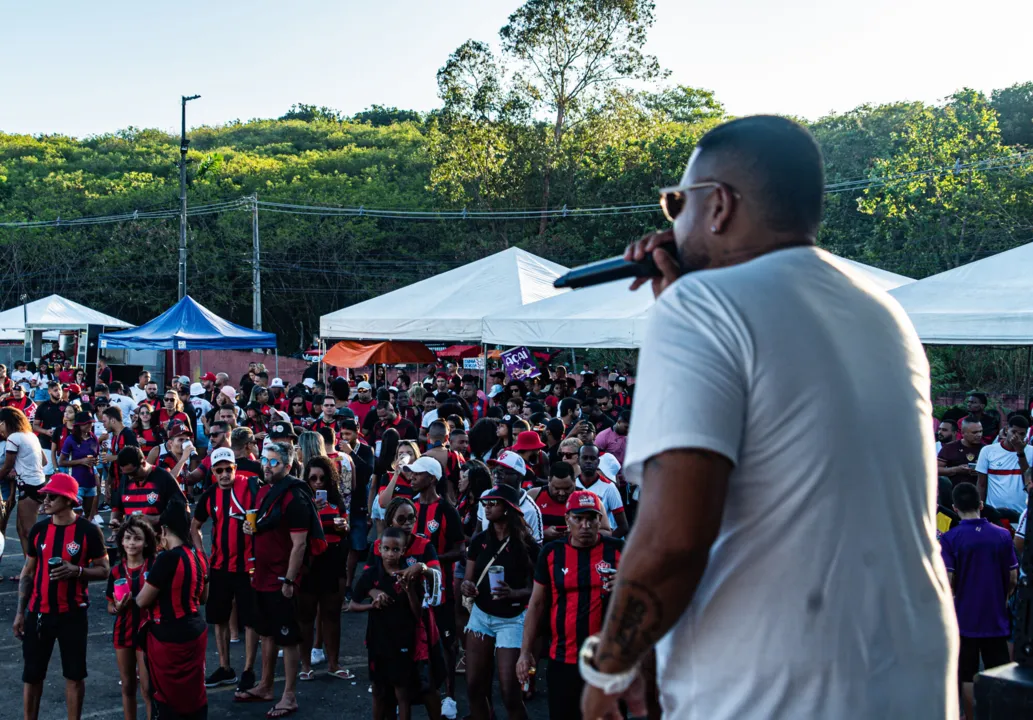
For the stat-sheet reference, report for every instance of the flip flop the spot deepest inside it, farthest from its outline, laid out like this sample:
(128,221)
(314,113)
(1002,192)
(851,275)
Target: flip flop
(278,712)
(306,675)
(250,697)
(343,674)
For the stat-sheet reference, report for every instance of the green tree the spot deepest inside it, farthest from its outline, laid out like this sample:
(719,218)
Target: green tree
(684,104)
(1014,106)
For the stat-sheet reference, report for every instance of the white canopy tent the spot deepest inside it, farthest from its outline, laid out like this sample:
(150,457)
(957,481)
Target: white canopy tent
(448,306)
(604,316)
(986,302)
(51,313)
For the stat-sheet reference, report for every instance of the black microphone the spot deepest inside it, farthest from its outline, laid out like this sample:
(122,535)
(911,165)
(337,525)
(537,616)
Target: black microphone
(604,271)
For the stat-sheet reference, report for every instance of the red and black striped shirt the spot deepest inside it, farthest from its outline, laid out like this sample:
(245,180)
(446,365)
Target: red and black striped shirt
(150,438)
(231,548)
(326,519)
(150,497)
(121,441)
(438,522)
(128,624)
(179,576)
(553,512)
(79,543)
(577,603)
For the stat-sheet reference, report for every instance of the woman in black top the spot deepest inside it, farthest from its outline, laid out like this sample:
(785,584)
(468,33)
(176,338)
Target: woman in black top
(496,623)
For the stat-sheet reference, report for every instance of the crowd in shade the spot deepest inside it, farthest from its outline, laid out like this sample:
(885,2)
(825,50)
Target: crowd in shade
(474,523)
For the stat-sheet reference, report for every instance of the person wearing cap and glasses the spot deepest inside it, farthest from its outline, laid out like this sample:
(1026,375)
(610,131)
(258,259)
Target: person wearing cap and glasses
(64,552)
(364,403)
(510,469)
(226,503)
(572,581)
(80,453)
(766,336)
(499,577)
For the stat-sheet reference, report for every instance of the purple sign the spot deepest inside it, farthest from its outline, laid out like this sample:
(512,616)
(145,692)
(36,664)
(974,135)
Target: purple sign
(519,364)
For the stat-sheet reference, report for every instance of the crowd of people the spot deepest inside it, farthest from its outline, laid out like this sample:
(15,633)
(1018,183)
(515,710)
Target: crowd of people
(476,526)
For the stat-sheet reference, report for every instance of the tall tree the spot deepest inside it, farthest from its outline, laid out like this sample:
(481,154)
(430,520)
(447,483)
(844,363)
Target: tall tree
(569,52)
(1014,106)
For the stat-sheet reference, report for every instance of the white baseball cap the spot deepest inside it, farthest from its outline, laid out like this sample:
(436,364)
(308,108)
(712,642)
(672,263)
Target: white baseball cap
(426,465)
(495,390)
(309,383)
(276,383)
(196,389)
(223,455)
(512,461)
(183,380)
(609,466)
(363,386)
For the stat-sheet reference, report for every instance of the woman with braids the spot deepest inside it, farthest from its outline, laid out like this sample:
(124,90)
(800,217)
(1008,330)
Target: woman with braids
(320,586)
(484,438)
(136,539)
(177,636)
(496,624)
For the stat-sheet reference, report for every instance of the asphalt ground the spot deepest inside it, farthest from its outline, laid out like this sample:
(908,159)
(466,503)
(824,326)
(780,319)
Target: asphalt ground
(322,698)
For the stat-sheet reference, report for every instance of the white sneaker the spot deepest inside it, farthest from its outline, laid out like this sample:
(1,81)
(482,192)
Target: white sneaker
(449,709)
(98,521)
(280,653)
(318,656)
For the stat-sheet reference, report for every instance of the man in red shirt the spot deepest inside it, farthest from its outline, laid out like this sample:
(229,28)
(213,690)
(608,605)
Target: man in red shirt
(572,582)
(280,544)
(478,407)
(389,418)
(64,552)
(363,402)
(66,374)
(226,503)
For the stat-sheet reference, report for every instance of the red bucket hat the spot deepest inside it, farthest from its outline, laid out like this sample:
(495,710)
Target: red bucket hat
(63,485)
(528,440)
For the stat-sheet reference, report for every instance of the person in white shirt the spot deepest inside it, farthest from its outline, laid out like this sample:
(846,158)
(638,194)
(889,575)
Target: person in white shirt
(775,584)
(22,376)
(139,391)
(510,469)
(22,464)
(591,479)
(1001,470)
(119,398)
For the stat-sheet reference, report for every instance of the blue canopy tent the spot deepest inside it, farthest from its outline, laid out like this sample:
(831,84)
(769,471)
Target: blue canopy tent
(188,325)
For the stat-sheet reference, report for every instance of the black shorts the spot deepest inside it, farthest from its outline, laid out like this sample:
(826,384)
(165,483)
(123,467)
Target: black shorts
(324,573)
(445,619)
(30,492)
(993,650)
(69,630)
(277,618)
(223,588)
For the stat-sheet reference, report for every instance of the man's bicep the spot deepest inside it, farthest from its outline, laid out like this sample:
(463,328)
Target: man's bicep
(692,483)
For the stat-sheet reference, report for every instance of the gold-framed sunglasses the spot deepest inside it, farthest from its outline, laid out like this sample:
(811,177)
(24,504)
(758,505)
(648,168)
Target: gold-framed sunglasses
(672,199)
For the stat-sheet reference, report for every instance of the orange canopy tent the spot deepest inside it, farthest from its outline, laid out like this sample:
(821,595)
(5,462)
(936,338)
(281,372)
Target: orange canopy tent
(354,354)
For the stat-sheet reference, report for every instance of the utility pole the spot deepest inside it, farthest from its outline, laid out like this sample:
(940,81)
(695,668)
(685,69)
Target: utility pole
(256,270)
(183,145)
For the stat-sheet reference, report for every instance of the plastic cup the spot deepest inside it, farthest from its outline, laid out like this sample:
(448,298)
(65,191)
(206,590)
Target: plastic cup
(55,562)
(496,575)
(121,589)
(252,519)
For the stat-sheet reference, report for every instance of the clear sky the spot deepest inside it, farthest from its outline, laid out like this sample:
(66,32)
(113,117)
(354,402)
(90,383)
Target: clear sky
(91,67)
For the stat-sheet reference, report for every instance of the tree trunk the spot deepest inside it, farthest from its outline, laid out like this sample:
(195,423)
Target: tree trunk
(557,135)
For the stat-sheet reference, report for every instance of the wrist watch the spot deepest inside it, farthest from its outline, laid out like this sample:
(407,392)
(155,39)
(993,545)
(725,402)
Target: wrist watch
(611,684)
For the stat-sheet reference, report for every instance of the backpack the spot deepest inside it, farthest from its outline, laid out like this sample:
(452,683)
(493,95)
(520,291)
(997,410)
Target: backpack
(272,508)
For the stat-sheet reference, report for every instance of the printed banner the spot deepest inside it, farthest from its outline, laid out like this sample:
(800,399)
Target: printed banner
(474,363)
(519,364)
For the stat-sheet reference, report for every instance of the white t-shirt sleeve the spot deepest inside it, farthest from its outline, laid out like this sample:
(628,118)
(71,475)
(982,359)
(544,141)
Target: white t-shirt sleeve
(613,501)
(691,387)
(983,462)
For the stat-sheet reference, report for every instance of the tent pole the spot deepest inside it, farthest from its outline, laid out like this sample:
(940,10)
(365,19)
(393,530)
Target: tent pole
(1029,365)
(200,362)
(277,352)
(484,368)
(173,363)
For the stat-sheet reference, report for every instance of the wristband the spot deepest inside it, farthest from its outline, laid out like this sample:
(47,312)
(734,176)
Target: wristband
(285,581)
(611,684)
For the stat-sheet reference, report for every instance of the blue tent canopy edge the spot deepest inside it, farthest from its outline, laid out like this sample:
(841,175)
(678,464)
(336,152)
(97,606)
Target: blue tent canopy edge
(188,325)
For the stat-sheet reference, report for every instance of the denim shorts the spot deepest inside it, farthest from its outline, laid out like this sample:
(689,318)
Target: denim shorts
(507,632)
(378,511)
(359,533)
(87,492)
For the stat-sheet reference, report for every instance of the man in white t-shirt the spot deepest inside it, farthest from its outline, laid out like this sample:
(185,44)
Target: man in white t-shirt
(590,479)
(122,401)
(1001,470)
(21,375)
(774,584)
(139,391)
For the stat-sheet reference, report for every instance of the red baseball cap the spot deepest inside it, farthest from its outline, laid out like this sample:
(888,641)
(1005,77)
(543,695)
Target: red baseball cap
(62,484)
(208,376)
(528,440)
(177,429)
(584,501)
(73,388)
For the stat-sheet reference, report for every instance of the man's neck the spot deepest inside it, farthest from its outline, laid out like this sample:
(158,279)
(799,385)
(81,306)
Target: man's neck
(575,543)
(329,419)
(65,517)
(116,428)
(429,496)
(969,516)
(589,477)
(967,444)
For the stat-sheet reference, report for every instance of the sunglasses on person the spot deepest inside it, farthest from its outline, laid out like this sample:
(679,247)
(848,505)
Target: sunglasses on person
(298,404)
(222,471)
(170,400)
(272,462)
(568,454)
(409,517)
(492,503)
(673,199)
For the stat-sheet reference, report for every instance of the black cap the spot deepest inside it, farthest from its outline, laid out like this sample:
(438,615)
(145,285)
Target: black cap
(505,493)
(281,429)
(343,412)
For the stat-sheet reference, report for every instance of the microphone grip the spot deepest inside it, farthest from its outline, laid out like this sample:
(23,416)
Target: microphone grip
(604,271)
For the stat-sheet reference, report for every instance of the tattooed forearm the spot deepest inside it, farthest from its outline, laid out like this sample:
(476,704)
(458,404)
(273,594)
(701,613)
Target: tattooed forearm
(632,626)
(24,591)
